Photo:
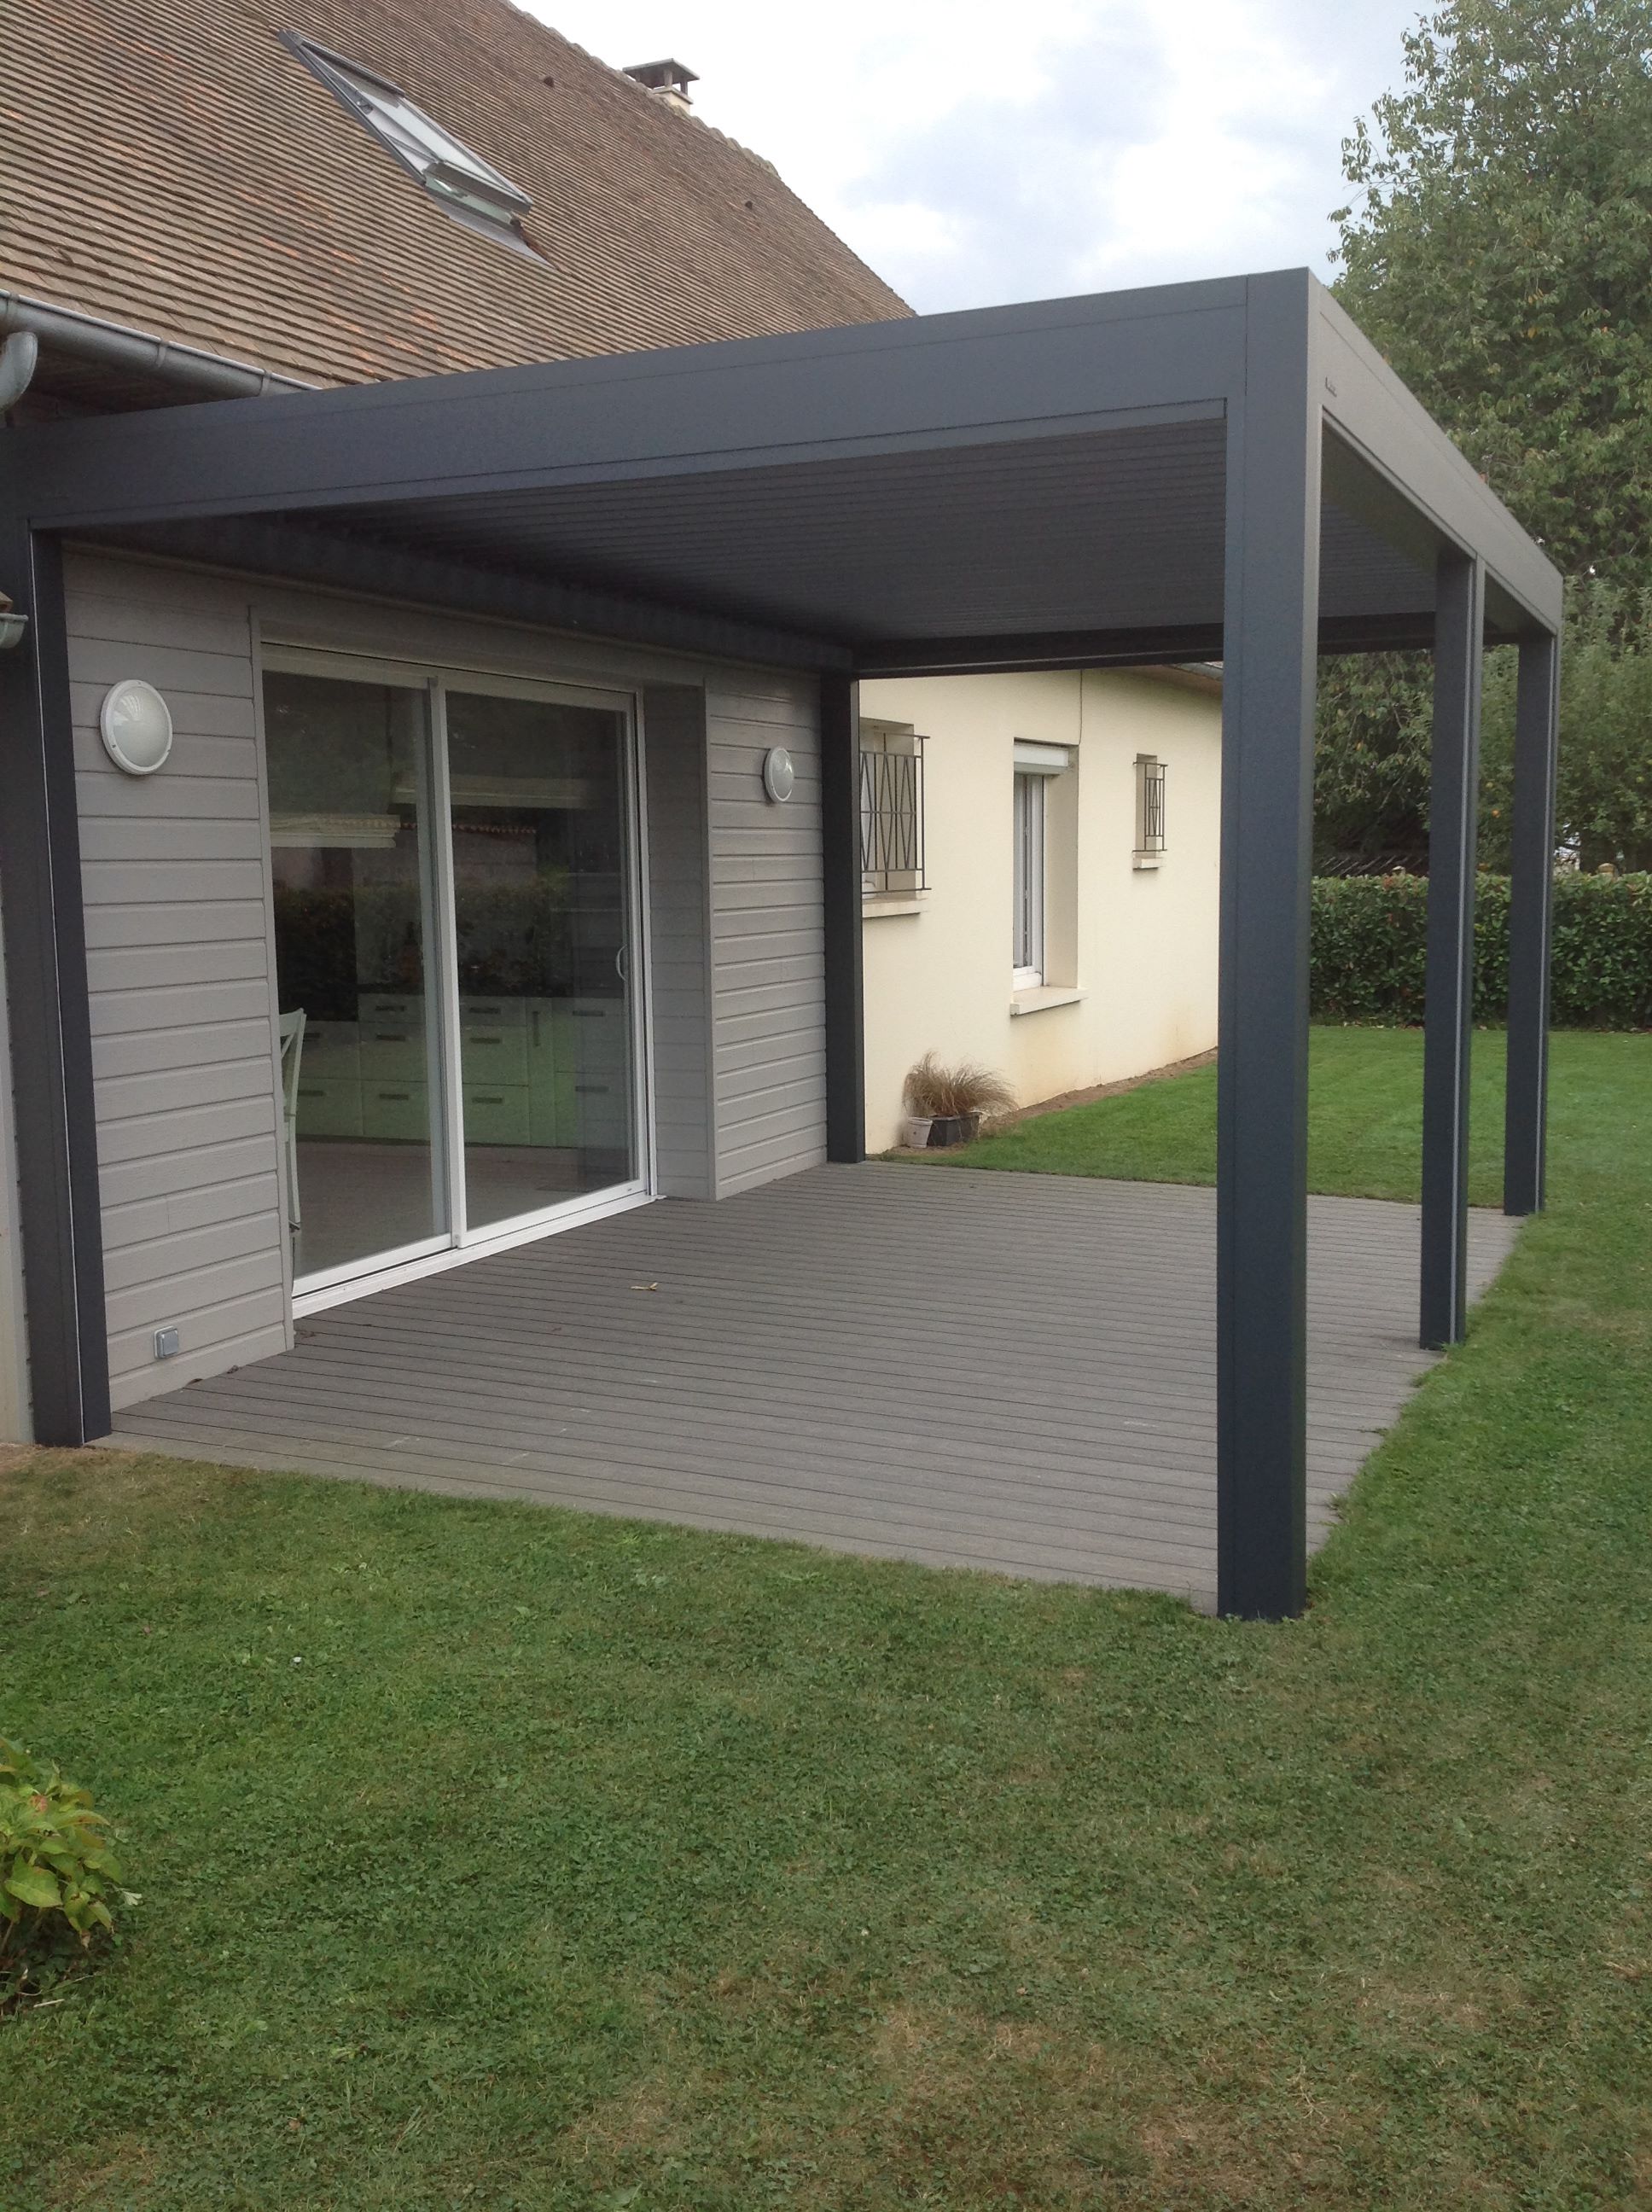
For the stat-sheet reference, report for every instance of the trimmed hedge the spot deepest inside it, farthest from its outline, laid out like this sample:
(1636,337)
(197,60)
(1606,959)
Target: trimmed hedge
(1369,938)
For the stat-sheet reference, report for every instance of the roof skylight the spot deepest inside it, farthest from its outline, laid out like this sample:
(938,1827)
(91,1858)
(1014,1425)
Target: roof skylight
(466,184)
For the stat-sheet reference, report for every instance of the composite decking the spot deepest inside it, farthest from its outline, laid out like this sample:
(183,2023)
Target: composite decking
(1003,1371)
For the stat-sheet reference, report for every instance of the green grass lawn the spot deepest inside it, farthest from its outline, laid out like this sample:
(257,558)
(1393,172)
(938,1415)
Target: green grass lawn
(510,1858)
(1365,1117)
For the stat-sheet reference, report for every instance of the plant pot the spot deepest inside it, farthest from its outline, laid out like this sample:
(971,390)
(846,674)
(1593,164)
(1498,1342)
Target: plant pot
(918,1126)
(954,1129)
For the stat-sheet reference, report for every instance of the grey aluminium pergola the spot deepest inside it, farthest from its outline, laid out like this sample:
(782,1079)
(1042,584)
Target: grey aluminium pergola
(1202,470)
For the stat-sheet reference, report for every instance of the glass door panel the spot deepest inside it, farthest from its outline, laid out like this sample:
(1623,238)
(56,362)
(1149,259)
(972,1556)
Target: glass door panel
(539,801)
(361,1052)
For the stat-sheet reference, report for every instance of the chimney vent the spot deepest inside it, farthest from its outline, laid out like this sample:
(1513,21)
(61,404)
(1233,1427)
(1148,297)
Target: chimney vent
(668,81)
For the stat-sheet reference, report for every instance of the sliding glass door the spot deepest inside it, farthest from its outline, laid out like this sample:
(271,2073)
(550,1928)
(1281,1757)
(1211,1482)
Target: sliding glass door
(539,805)
(353,871)
(455,888)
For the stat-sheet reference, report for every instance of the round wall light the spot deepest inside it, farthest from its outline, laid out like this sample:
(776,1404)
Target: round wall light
(779,775)
(136,726)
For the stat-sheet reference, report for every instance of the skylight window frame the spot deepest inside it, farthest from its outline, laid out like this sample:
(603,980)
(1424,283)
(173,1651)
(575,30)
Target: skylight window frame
(470,189)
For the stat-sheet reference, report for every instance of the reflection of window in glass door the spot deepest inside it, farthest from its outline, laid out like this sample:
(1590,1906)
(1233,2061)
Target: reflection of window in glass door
(454,909)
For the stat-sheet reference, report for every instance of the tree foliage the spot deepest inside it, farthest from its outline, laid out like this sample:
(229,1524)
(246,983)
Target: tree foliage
(1371,765)
(1605,796)
(1371,759)
(1498,248)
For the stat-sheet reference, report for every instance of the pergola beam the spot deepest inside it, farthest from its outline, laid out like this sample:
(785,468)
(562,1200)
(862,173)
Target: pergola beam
(1028,651)
(1453,817)
(989,378)
(1267,798)
(1384,425)
(839,838)
(1531,901)
(49,1007)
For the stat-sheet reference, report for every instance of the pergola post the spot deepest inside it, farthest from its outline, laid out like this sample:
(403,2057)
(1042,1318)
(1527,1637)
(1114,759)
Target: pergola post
(45,928)
(1454,814)
(840,837)
(1531,901)
(1270,642)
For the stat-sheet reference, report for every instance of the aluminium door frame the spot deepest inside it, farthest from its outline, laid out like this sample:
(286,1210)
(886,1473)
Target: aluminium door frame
(457,1242)
(627,703)
(330,1284)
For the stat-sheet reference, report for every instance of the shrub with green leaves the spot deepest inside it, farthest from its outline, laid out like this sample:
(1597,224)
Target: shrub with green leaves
(57,1875)
(1370,941)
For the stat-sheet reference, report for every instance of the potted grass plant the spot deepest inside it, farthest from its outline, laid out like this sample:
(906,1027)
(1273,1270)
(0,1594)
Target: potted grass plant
(952,1100)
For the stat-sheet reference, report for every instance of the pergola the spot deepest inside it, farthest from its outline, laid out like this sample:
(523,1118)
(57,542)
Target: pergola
(1222,470)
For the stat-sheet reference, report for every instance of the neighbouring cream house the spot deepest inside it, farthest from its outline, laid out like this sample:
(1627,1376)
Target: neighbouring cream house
(1039,890)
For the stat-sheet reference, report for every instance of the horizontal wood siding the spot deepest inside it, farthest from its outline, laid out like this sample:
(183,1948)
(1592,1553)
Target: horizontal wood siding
(767,931)
(674,737)
(182,987)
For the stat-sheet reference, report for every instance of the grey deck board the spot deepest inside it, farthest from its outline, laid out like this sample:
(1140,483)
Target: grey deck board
(1011,1372)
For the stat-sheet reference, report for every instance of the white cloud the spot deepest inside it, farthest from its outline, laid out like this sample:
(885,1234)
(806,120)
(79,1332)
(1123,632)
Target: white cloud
(974,153)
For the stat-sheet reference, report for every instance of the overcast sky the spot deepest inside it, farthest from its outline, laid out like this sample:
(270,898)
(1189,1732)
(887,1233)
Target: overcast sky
(977,153)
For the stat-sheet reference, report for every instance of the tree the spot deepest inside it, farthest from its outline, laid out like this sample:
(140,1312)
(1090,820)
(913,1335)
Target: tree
(1499,252)
(1498,249)
(1605,732)
(1371,760)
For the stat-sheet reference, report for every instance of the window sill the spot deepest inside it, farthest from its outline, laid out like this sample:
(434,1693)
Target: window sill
(874,910)
(1040,1000)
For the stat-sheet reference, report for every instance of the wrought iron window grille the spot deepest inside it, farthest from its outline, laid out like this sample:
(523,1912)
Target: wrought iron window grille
(1149,807)
(891,818)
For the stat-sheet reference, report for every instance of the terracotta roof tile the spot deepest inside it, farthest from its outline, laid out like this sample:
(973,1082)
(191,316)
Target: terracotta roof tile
(169,164)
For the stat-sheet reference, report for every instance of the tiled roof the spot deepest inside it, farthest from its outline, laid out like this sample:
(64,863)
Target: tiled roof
(169,165)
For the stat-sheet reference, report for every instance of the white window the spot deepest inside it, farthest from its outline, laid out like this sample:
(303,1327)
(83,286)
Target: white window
(470,190)
(1038,767)
(1029,949)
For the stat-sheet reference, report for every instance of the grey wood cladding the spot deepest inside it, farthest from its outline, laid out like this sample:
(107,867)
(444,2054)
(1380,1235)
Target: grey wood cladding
(182,964)
(679,892)
(767,921)
(181,978)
